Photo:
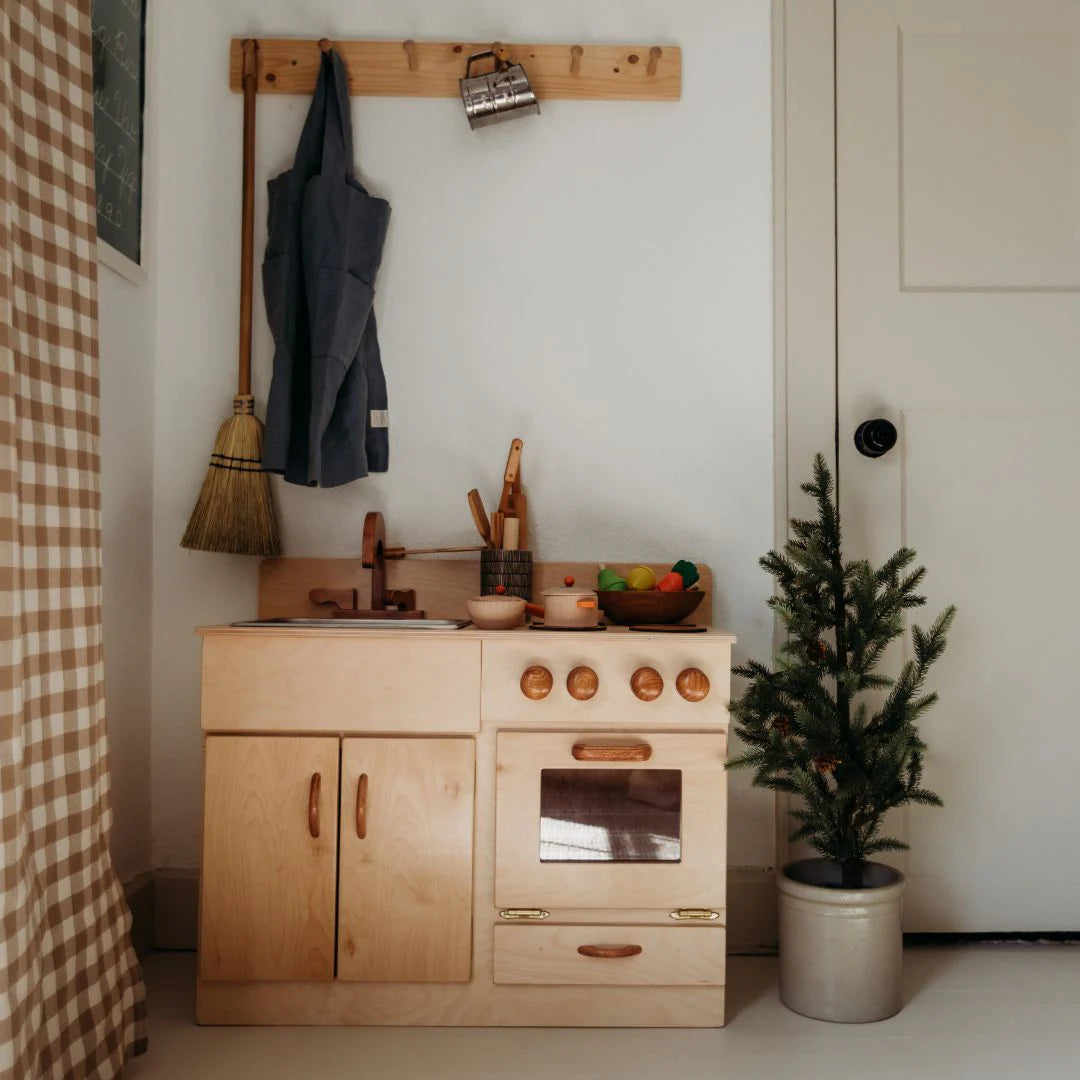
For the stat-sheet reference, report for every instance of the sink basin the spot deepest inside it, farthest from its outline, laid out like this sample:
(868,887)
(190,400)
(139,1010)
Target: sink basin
(360,624)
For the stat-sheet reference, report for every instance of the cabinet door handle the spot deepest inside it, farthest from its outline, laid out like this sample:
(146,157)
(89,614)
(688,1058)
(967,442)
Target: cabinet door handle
(601,752)
(313,804)
(609,952)
(361,806)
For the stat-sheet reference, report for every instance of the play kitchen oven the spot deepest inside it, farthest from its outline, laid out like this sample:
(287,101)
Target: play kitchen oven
(610,809)
(464,827)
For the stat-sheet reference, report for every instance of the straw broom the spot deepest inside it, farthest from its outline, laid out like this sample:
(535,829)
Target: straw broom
(235,509)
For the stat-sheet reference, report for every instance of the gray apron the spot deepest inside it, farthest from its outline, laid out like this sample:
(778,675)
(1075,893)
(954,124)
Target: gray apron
(326,416)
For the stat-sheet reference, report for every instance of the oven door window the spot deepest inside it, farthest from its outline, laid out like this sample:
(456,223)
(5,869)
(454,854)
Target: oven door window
(611,815)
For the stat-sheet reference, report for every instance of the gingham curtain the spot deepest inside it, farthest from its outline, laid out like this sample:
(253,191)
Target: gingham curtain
(71,995)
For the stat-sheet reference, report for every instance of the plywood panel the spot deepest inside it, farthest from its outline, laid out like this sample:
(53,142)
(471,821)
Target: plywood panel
(670,956)
(697,880)
(263,680)
(614,656)
(405,892)
(267,907)
(442,585)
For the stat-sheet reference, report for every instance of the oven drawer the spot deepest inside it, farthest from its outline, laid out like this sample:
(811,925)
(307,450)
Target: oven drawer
(618,820)
(610,955)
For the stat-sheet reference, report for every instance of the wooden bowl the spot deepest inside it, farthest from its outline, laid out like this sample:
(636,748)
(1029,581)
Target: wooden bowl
(649,607)
(496,612)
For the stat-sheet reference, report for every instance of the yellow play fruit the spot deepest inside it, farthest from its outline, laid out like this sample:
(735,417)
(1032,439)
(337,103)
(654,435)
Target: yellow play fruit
(641,579)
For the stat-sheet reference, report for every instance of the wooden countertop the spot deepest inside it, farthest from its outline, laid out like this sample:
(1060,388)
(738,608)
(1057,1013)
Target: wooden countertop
(334,628)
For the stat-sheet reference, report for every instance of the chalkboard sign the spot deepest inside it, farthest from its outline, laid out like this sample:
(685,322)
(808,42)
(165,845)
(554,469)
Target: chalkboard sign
(119,51)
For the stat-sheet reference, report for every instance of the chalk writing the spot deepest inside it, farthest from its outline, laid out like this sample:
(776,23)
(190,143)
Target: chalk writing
(118,29)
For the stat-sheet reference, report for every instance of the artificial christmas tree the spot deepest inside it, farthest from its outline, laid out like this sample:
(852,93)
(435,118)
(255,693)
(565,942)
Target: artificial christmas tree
(825,724)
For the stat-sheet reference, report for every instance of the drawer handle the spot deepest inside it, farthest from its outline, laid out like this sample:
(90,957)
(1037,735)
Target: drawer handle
(609,952)
(609,752)
(313,804)
(361,807)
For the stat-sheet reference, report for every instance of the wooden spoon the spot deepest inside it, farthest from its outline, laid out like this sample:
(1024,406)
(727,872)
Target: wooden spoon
(479,516)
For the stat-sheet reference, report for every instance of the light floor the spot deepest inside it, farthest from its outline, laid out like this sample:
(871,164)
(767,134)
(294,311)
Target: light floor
(979,1011)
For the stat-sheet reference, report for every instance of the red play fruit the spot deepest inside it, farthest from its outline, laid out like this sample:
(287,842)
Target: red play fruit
(672,582)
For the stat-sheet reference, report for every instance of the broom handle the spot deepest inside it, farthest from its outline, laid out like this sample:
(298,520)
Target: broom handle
(247,216)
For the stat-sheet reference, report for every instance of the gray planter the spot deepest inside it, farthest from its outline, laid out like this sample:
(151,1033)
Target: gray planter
(840,949)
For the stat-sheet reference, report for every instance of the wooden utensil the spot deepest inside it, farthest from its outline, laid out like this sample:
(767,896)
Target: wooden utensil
(497,528)
(479,516)
(519,508)
(510,476)
(511,534)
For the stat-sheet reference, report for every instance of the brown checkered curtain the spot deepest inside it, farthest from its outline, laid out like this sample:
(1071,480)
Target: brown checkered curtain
(71,995)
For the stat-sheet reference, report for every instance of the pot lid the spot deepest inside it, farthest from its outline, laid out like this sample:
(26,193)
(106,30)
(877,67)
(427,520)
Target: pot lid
(500,596)
(568,589)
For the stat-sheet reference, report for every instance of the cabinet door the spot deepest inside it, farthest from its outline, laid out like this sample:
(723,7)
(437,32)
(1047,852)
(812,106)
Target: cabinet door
(269,858)
(405,901)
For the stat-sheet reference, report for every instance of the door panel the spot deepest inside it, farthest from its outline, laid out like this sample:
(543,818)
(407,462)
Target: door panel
(405,892)
(958,248)
(267,909)
(565,845)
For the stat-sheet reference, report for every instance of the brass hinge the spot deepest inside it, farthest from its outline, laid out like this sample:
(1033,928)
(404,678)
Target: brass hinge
(700,914)
(524,913)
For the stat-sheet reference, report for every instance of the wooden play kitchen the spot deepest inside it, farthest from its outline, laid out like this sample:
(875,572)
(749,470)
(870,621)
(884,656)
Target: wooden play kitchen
(460,826)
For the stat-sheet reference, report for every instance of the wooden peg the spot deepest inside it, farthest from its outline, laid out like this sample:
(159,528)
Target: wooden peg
(654,58)
(325,45)
(502,53)
(410,51)
(576,53)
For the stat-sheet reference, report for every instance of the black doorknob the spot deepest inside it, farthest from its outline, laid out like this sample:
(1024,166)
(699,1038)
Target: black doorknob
(875,437)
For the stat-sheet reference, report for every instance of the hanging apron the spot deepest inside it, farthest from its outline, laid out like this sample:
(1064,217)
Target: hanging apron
(326,416)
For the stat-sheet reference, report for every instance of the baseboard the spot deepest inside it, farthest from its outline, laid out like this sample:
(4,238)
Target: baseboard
(751,895)
(176,909)
(139,893)
(751,910)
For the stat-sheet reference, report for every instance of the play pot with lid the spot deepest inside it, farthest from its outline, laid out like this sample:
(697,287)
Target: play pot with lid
(569,606)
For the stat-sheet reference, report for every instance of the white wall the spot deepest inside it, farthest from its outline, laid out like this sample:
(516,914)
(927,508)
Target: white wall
(126,331)
(622,327)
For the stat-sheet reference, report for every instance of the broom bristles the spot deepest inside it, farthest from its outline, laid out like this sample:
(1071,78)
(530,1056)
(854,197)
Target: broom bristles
(235,509)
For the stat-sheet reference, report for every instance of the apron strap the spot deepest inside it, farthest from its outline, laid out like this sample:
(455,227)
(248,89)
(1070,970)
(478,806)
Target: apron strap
(309,149)
(337,147)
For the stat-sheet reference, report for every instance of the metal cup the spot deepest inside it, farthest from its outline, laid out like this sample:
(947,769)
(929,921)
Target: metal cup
(497,95)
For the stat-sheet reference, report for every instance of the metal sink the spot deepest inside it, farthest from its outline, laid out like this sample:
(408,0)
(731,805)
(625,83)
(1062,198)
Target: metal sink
(360,624)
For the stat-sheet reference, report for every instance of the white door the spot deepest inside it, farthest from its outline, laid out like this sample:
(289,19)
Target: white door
(958,291)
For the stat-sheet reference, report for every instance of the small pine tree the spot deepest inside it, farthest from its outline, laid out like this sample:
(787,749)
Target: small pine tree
(808,725)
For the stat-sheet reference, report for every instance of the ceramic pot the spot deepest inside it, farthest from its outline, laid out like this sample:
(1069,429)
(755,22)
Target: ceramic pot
(567,607)
(840,949)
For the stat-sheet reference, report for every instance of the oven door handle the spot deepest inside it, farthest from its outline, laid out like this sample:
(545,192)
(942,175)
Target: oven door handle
(612,752)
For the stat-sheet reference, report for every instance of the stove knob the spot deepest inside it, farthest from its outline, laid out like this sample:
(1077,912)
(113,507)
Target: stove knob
(647,683)
(582,683)
(692,684)
(536,682)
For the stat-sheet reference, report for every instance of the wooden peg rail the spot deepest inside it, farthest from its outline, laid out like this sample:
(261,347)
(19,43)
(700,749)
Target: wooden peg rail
(433,68)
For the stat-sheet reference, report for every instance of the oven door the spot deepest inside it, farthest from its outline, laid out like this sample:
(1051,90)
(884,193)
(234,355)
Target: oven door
(610,820)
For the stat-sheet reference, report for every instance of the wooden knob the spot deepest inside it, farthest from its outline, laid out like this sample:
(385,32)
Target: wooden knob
(647,683)
(536,682)
(582,683)
(692,684)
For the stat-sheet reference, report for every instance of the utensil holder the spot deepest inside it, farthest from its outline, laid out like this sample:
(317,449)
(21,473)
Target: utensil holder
(511,569)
